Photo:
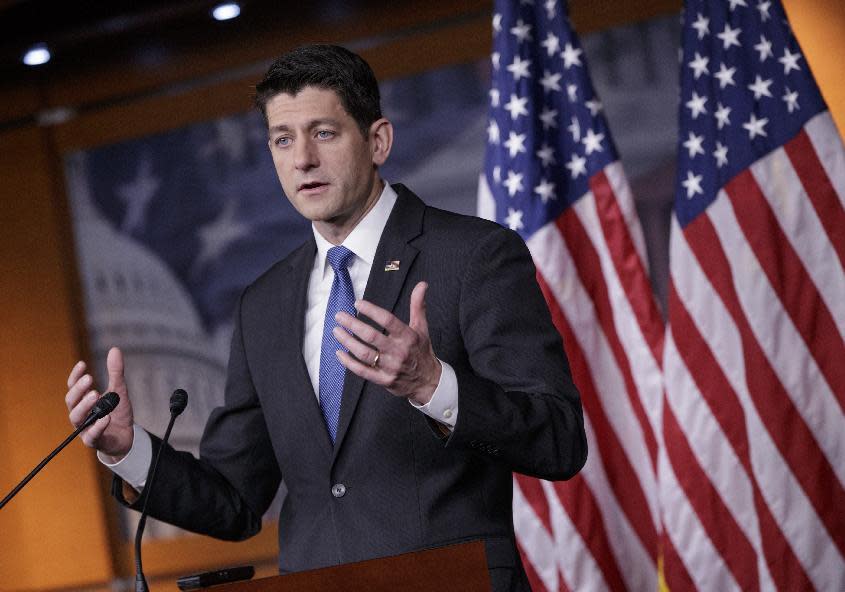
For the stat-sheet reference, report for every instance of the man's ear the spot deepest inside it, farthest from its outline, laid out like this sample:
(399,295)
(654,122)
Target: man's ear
(381,138)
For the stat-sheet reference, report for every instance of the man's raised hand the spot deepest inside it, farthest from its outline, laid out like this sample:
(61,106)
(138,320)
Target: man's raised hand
(402,360)
(112,435)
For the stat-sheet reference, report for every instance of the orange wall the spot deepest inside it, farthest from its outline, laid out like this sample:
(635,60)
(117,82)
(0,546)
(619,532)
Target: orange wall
(819,26)
(37,528)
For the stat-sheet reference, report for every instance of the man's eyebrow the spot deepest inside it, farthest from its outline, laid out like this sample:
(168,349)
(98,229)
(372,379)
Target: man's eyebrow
(311,124)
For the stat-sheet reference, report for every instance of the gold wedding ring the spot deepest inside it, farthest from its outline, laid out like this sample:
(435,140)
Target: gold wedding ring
(375,360)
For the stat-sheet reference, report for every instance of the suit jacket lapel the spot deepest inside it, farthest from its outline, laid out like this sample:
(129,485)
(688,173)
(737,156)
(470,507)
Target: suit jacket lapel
(294,379)
(384,287)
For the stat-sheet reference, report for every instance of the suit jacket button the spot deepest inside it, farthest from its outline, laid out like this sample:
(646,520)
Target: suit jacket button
(338,490)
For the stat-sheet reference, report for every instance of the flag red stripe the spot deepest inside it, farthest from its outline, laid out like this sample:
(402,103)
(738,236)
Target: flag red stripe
(819,189)
(790,434)
(629,267)
(785,568)
(620,474)
(588,265)
(674,571)
(789,279)
(716,519)
(561,584)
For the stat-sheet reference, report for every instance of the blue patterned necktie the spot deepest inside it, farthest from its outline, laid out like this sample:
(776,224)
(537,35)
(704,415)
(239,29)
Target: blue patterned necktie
(341,298)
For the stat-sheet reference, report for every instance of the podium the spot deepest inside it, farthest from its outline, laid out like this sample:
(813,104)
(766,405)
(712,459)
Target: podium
(459,568)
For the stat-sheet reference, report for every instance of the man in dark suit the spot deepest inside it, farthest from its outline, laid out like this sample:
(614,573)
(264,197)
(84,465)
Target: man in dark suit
(393,371)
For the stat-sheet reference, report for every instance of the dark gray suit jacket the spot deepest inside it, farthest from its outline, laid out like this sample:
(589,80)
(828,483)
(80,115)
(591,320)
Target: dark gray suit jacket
(405,485)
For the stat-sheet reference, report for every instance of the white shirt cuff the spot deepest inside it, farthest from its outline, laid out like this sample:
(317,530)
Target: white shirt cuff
(133,467)
(443,406)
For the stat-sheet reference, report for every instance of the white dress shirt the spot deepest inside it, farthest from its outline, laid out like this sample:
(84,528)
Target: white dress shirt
(362,241)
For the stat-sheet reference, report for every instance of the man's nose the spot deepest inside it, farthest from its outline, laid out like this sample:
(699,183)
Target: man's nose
(305,155)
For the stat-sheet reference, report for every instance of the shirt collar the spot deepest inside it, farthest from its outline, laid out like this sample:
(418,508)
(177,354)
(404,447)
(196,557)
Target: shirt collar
(364,238)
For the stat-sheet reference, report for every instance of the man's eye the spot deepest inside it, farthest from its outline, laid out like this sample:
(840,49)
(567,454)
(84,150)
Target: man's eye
(325,134)
(282,142)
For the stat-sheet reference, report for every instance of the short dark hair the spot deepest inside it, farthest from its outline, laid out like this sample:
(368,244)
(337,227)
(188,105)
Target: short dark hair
(329,67)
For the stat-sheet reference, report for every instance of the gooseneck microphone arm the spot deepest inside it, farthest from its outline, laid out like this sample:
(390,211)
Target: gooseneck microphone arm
(101,408)
(178,402)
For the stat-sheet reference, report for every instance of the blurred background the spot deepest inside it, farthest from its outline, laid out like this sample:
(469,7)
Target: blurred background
(138,198)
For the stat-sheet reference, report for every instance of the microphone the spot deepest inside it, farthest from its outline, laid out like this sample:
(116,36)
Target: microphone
(101,408)
(178,402)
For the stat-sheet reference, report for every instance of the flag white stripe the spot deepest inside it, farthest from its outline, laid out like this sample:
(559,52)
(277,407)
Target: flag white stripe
(829,149)
(773,329)
(486,204)
(798,219)
(536,542)
(703,562)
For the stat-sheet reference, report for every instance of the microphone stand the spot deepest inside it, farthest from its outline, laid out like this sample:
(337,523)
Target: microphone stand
(102,407)
(40,466)
(178,402)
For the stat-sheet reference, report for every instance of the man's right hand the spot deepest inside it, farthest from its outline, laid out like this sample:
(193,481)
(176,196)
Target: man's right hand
(112,435)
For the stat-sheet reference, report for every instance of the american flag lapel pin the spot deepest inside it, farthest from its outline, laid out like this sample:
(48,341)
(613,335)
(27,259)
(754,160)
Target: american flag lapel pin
(392,265)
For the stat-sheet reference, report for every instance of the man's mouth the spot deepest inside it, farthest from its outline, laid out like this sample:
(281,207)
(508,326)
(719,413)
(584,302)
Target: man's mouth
(310,185)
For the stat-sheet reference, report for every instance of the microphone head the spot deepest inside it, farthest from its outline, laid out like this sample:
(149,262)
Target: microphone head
(105,404)
(178,402)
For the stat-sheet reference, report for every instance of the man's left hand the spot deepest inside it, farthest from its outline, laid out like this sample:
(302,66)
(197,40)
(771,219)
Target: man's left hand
(402,359)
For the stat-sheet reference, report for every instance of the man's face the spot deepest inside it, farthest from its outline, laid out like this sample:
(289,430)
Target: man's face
(326,166)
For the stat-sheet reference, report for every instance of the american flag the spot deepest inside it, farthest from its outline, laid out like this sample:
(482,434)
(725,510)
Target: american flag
(552,174)
(751,482)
